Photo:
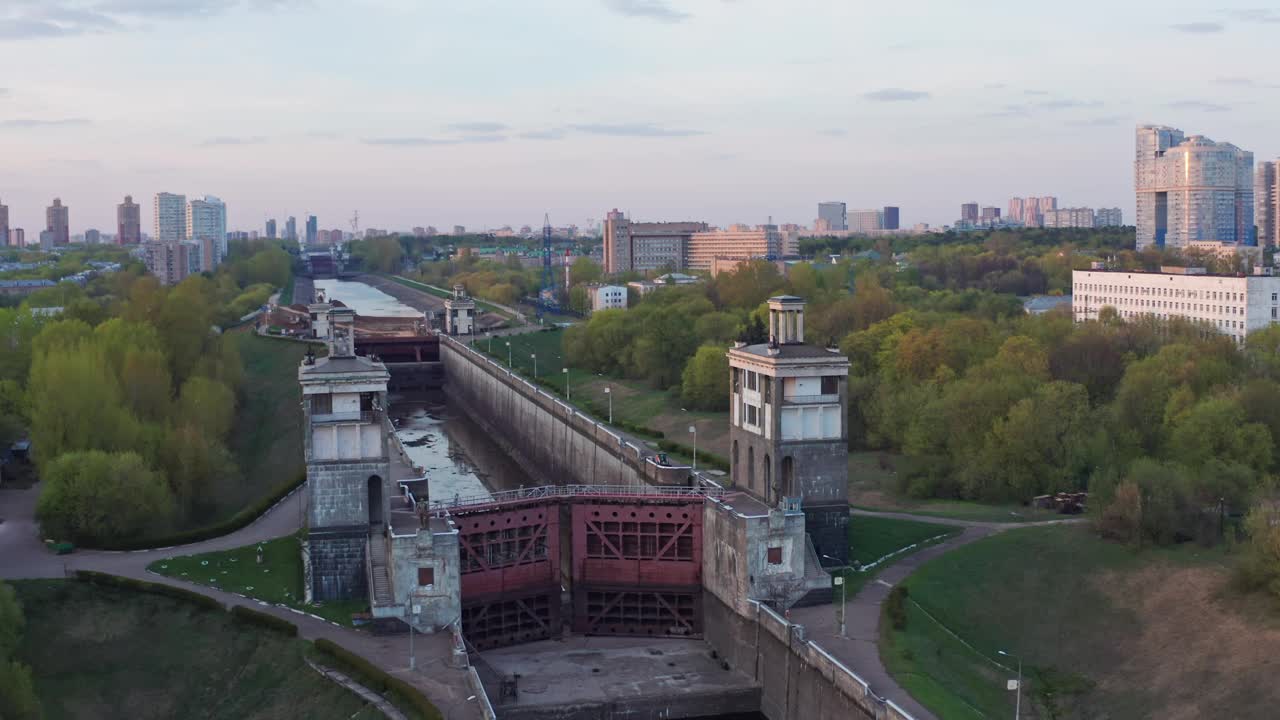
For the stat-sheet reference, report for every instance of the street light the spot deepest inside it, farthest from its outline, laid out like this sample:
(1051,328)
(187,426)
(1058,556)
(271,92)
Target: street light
(694,430)
(535,366)
(609,395)
(839,580)
(508,356)
(566,384)
(1017,706)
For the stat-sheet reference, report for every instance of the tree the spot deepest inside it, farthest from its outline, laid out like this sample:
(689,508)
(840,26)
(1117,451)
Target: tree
(750,284)
(1259,569)
(705,381)
(584,270)
(95,496)
(76,404)
(206,405)
(11,620)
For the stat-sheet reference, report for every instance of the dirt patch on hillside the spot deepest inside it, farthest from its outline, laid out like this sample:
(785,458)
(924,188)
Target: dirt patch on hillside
(1198,650)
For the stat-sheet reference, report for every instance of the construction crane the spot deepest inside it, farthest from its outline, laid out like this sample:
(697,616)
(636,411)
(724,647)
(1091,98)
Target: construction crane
(547,297)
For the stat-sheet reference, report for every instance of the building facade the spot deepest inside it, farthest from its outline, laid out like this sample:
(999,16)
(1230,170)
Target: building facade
(4,225)
(832,216)
(788,431)
(17,237)
(1081,217)
(169,261)
(207,219)
(1108,217)
(969,213)
(313,230)
(271,229)
(92,237)
(1266,202)
(170,213)
(58,222)
(1191,189)
(990,215)
(459,312)
(704,247)
(128,222)
(1233,305)
(608,297)
(865,221)
(890,218)
(645,246)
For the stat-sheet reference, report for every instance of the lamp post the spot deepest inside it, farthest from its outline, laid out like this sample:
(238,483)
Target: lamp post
(1017,706)
(534,356)
(839,580)
(609,395)
(508,356)
(566,384)
(693,429)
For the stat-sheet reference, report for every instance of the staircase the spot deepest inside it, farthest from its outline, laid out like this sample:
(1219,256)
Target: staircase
(382,594)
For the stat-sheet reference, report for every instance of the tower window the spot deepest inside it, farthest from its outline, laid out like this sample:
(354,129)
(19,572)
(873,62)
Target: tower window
(775,555)
(426,576)
(321,404)
(830,385)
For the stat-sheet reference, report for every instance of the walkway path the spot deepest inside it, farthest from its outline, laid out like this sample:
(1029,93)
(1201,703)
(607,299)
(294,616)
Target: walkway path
(860,650)
(22,555)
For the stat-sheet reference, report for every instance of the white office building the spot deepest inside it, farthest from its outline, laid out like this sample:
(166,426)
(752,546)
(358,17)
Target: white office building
(206,220)
(608,297)
(170,217)
(1234,305)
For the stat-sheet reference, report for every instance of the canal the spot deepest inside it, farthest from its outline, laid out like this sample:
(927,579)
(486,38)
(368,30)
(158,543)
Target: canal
(459,458)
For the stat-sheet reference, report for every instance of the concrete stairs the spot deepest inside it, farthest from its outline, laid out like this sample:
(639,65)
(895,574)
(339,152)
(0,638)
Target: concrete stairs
(382,594)
(817,582)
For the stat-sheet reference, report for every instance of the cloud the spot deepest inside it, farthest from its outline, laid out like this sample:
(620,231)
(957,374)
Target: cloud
(834,132)
(552,134)
(1067,104)
(1199,105)
(1008,111)
(228,140)
(29,19)
(634,130)
(478,127)
(895,95)
(1035,92)
(658,10)
(42,122)
(994,86)
(1245,82)
(1198,28)
(429,142)
(1264,15)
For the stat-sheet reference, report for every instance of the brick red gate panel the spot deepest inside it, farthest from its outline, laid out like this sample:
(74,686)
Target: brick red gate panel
(637,567)
(512,618)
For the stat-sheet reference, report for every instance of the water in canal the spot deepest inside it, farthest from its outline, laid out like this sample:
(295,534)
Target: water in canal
(459,458)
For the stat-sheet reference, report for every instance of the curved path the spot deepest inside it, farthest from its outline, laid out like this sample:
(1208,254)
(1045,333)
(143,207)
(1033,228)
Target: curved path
(22,555)
(860,650)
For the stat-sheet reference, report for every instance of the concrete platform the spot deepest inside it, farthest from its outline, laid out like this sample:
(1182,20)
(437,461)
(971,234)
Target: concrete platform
(592,677)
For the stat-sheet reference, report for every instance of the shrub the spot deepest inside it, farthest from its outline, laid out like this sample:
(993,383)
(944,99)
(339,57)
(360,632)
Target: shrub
(261,619)
(895,607)
(107,580)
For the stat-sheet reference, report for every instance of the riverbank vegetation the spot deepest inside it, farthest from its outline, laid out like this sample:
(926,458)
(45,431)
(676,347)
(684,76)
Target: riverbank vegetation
(129,396)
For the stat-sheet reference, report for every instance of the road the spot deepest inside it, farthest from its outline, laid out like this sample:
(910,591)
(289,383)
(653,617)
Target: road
(22,555)
(860,650)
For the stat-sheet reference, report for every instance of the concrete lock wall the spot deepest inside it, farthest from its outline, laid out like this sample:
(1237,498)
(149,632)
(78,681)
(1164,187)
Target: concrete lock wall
(798,679)
(552,441)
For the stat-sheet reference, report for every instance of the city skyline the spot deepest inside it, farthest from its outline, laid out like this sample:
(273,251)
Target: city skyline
(518,129)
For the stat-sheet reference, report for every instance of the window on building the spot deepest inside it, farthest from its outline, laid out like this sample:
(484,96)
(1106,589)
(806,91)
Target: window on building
(426,576)
(767,386)
(751,380)
(775,556)
(830,385)
(321,404)
(753,415)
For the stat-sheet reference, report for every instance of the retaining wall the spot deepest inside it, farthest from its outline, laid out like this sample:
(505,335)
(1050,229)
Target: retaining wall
(553,441)
(798,679)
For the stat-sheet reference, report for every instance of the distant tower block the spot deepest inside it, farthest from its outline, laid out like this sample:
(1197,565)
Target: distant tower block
(459,313)
(788,433)
(344,400)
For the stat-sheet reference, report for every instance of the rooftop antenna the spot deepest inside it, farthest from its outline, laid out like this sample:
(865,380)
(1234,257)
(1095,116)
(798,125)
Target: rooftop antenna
(355,223)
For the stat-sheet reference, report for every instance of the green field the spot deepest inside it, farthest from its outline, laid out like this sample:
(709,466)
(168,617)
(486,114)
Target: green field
(105,654)
(873,538)
(277,580)
(442,293)
(1104,630)
(267,443)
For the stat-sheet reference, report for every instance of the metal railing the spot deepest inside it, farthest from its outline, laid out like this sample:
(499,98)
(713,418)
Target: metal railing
(810,399)
(559,491)
(360,416)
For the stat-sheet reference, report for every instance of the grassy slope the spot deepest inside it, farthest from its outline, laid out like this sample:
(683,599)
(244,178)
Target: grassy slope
(277,580)
(267,440)
(871,538)
(1110,628)
(104,654)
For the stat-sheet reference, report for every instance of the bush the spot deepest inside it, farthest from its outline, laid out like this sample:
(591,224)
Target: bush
(230,525)
(107,580)
(896,607)
(401,693)
(261,619)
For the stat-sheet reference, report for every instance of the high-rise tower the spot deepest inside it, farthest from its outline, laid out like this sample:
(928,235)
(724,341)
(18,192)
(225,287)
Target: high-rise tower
(1266,202)
(58,222)
(128,222)
(1191,189)
(170,218)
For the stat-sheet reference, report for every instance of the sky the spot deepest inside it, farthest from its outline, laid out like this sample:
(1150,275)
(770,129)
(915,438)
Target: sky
(489,112)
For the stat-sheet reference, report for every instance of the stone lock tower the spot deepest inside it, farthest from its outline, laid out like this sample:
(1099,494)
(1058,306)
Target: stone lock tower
(344,401)
(788,431)
(459,313)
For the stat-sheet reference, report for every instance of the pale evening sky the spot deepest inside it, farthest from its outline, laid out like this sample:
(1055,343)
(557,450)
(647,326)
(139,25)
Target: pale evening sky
(489,112)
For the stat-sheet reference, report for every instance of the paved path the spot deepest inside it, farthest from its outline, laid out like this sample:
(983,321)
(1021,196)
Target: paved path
(22,555)
(860,650)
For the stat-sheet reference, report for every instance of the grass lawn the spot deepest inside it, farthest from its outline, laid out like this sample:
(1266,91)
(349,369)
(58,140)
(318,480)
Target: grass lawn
(442,293)
(1104,631)
(277,580)
(267,443)
(110,654)
(873,538)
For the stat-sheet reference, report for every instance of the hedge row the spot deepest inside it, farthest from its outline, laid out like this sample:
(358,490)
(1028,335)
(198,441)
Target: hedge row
(402,694)
(261,619)
(116,581)
(704,457)
(230,525)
